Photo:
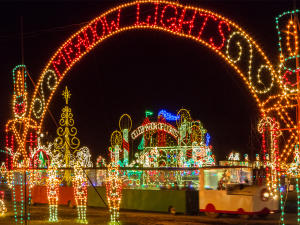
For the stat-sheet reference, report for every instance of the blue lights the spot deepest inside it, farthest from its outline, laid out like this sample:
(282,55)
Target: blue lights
(207,138)
(168,116)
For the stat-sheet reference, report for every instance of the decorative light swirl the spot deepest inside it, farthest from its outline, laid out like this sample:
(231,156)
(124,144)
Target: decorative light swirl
(260,87)
(51,75)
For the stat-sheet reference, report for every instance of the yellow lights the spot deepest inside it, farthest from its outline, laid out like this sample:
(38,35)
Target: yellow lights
(17,129)
(3,208)
(125,122)
(109,24)
(269,128)
(219,34)
(271,89)
(183,115)
(66,144)
(67,151)
(116,138)
(113,186)
(53,193)
(125,125)
(291,31)
(80,192)
(67,95)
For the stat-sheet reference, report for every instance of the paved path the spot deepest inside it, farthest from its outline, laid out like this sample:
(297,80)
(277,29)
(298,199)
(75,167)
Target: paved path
(99,216)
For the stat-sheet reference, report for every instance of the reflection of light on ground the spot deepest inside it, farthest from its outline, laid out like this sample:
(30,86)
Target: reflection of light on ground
(100,216)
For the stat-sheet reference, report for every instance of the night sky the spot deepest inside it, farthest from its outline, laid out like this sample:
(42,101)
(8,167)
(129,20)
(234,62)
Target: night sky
(138,70)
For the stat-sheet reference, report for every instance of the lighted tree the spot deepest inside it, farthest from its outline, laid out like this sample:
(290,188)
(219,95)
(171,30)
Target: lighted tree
(66,144)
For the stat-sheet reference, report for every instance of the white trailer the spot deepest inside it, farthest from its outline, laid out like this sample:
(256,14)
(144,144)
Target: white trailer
(229,190)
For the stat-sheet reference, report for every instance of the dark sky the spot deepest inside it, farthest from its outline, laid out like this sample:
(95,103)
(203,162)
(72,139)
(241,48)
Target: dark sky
(138,70)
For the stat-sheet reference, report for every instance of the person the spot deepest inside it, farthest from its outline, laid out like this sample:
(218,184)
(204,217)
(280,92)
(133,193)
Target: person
(176,186)
(171,210)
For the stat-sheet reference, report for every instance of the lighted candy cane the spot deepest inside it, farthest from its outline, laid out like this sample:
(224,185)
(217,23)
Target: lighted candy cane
(272,168)
(125,124)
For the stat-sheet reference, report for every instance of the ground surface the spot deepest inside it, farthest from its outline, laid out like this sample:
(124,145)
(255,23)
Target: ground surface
(99,216)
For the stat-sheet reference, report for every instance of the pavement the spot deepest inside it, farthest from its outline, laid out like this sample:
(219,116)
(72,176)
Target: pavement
(100,216)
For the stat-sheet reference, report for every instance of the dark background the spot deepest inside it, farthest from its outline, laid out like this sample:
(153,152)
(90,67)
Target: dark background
(138,70)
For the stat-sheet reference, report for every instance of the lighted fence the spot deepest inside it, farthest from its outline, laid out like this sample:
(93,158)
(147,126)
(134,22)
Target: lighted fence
(142,178)
(147,189)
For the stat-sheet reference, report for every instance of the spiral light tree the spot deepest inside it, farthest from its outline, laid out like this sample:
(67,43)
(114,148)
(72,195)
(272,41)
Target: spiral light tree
(66,145)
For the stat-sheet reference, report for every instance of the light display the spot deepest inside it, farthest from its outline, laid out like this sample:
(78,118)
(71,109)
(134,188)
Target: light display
(207,139)
(19,130)
(101,162)
(53,193)
(184,147)
(269,126)
(113,186)
(272,90)
(186,21)
(234,156)
(80,192)
(246,157)
(66,146)
(125,124)
(286,25)
(219,34)
(293,170)
(3,208)
(115,149)
(40,152)
(153,127)
(168,116)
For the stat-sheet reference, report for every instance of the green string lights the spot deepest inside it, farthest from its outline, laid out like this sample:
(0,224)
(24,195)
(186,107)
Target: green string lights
(281,187)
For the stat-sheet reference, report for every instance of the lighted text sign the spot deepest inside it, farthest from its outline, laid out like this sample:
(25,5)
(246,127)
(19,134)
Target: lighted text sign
(154,126)
(214,31)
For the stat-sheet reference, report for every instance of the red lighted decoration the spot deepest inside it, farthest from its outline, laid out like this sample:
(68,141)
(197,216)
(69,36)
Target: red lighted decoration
(171,17)
(210,29)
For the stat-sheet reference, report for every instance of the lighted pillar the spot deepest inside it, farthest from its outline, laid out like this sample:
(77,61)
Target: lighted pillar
(125,147)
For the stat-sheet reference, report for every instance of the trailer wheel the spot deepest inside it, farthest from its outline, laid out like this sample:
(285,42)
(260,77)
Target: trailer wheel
(70,205)
(262,215)
(212,214)
(246,216)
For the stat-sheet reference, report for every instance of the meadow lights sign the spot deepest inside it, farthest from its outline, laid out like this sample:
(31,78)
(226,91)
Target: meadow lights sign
(175,18)
(155,126)
(212,30)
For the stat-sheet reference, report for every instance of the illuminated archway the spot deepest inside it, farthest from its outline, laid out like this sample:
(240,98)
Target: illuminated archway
(221,35)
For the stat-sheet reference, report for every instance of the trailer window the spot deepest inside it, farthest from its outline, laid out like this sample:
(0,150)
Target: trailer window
(212,177)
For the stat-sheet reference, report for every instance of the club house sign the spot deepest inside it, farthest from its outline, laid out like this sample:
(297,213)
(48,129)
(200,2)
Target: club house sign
(154,126)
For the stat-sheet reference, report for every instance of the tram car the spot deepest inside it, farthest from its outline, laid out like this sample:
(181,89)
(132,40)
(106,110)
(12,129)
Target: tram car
(229,190)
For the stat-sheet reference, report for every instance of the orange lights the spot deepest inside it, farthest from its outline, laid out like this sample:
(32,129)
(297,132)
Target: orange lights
(269,88)
(185,21)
